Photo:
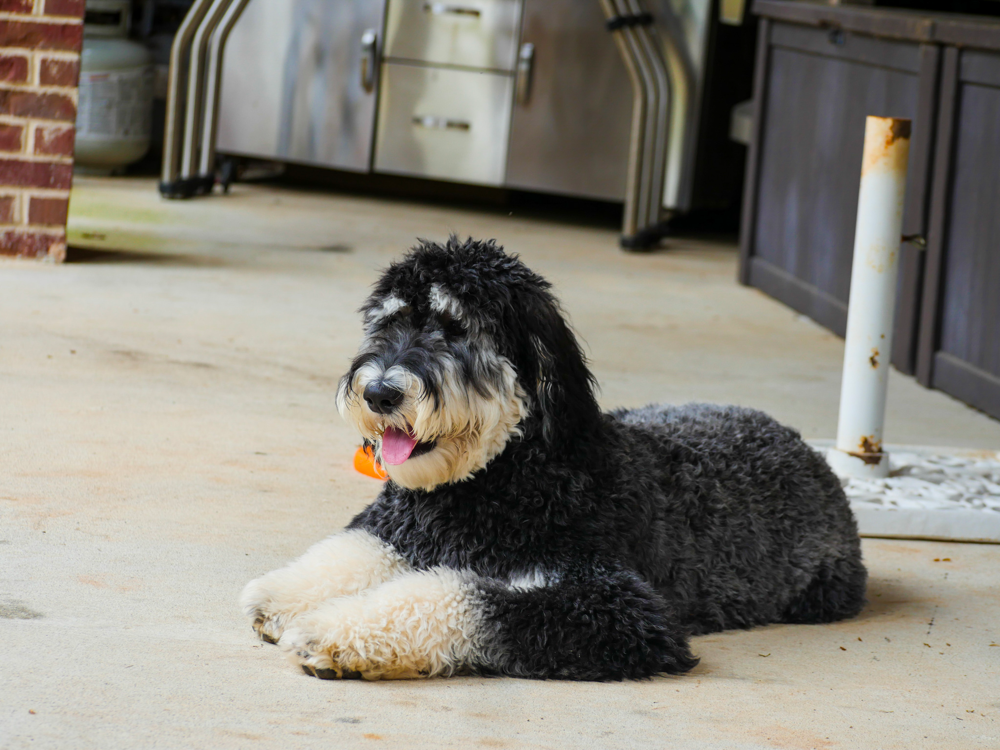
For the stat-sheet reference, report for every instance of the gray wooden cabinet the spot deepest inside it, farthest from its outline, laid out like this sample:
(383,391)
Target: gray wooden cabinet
(959,348)
(820,71)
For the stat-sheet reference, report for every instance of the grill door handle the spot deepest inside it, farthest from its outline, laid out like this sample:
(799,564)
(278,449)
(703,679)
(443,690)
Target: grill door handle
(369,52)
(440,123)
(444,9)
(525,64)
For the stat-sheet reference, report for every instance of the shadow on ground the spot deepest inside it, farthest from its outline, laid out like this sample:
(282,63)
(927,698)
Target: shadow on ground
(95,256)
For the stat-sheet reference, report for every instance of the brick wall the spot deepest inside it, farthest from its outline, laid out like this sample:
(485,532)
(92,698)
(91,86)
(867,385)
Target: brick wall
(39,70)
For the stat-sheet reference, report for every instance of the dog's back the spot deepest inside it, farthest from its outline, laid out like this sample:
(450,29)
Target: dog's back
(750,525)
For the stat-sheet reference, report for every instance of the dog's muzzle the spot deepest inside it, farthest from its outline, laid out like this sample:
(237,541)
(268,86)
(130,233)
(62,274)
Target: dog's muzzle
(398,445)
(382,398)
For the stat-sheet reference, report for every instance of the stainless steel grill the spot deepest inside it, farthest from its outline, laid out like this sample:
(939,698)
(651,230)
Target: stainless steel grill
(530,94)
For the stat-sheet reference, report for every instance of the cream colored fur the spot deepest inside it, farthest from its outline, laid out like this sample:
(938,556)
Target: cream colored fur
(420,624)
(341,565)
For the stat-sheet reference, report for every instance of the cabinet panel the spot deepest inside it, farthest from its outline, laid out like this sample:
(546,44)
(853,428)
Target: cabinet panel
(811,161)
(964,284)
(570,127)
(970,326)
(470,33)
(443,123)
(292,83)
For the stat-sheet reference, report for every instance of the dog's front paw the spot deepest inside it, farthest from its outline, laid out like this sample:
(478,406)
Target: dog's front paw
(269,608)
(340,565)
(306,649)
(418,625)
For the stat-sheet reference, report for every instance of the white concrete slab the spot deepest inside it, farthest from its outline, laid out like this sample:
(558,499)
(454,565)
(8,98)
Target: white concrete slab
(168,431)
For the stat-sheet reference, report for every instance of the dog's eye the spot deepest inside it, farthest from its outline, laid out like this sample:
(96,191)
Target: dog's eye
(451,325)
(400,314)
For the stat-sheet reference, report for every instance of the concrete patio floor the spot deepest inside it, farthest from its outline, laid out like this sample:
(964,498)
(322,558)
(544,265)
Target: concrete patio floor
(168,432)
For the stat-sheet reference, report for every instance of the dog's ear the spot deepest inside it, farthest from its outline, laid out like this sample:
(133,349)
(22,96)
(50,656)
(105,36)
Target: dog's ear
(556,371)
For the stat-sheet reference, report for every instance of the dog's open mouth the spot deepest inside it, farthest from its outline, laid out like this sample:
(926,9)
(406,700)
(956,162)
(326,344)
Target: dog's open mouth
(400,445)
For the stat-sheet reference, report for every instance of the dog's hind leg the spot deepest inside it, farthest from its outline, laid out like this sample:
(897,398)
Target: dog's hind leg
(340,565)
(599,626)
(837,592)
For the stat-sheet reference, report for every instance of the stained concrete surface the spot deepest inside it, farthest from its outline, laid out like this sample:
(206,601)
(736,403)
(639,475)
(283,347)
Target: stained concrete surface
(168,431)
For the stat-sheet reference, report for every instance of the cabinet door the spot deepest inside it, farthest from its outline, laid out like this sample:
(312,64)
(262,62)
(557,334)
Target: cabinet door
(816,89)
(443,123)
(467,33)
(570,126)
(960,329)
(292,84)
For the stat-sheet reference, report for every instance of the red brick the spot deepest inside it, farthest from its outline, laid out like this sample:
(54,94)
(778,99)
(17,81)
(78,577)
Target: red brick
(48,211)
(65,37)
(8,207)
(17,6)
(40,174)
(21,103)
(11,138)
(54,72)
(64,8)
(54,140)
(33,244)
(13,68)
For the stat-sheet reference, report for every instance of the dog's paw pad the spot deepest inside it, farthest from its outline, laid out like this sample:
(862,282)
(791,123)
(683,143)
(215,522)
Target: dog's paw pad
(269,628)
(330,674)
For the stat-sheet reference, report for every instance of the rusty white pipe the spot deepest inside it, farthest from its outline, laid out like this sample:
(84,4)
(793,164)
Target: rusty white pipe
(873,298)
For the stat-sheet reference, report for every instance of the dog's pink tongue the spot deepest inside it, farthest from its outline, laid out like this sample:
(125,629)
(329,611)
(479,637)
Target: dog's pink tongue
(397,446)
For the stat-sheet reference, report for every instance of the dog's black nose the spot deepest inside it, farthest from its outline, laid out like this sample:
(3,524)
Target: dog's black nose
(382,398)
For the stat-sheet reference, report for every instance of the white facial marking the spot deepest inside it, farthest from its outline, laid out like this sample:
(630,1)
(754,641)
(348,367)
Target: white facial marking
(390,306)
(443,302)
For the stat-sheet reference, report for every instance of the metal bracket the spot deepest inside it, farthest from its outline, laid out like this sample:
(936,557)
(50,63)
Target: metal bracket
(637,19)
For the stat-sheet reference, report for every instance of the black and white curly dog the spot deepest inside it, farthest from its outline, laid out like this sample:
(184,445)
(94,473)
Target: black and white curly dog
(524,532)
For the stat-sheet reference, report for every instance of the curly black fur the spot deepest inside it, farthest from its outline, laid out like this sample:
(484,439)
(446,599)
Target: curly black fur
(651,524)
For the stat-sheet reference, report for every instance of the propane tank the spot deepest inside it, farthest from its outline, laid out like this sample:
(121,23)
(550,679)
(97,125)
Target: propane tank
(115,110)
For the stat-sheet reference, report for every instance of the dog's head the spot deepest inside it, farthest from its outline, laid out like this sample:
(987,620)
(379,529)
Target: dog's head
(465,349)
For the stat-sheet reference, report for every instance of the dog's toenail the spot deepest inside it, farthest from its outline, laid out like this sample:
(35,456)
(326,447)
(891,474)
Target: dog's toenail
(266,638)
(309,670)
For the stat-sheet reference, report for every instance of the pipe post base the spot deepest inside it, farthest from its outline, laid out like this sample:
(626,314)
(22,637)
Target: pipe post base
(858,465)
